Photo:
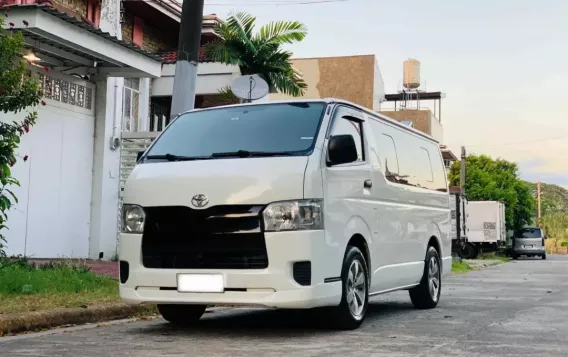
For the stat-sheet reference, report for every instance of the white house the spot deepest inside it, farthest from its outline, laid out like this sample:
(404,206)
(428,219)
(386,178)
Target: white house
(72,175)
(108,92)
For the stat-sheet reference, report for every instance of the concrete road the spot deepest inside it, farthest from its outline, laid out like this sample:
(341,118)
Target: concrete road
(515,309)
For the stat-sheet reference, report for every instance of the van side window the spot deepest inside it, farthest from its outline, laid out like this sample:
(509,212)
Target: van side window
(344,126)
(426,173)
(389,157)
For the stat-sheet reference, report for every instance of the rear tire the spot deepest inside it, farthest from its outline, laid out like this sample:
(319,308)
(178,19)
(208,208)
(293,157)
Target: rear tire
(427,294)
(469,251)
(351,312)
(182,315)
(544,256)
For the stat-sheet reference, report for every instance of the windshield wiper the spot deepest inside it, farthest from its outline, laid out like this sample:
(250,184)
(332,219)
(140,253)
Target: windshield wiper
(172,157)
(246,153)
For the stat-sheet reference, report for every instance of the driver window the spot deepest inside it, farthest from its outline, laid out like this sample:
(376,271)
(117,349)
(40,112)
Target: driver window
(344,126)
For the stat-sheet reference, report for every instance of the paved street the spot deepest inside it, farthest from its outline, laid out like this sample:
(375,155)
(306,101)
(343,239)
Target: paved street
(515,309)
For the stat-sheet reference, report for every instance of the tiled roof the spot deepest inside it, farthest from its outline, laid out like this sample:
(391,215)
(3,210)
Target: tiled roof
(170,57)
(86,26)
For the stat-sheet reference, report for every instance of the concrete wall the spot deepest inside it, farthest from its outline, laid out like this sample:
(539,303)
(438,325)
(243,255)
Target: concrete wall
(211,77)
(353,78)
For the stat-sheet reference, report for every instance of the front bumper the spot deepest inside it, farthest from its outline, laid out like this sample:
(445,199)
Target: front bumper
(272,287)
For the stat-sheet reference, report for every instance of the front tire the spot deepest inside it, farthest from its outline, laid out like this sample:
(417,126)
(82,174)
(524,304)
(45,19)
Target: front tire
(544,256)
(351,312)
(427,294)
(182,315)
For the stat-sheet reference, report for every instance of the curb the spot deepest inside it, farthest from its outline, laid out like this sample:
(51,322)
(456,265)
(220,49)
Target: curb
(480,264)
(32,321)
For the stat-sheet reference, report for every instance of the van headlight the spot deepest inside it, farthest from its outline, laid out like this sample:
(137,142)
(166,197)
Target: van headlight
(293,215)
(133,218)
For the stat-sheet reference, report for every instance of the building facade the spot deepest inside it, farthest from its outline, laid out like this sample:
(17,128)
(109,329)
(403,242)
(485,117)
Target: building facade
(72,174)
(354,78)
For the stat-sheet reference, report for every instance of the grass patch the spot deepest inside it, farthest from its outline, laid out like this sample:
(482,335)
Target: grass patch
(493,256)
(26,287)
(460,266)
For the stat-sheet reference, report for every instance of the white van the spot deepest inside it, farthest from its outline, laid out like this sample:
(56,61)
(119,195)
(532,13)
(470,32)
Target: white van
(296,204)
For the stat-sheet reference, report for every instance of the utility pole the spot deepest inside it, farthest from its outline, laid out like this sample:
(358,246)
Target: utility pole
(538,204)
(183,98)
(462,171)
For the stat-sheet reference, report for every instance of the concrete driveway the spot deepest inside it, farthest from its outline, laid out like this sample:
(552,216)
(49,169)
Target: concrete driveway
(515,309)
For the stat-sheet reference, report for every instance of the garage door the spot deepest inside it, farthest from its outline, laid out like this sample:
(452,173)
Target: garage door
(53,214)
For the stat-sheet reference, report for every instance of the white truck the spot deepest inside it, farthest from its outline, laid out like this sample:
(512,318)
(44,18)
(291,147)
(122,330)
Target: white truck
(487,231)
(459,226)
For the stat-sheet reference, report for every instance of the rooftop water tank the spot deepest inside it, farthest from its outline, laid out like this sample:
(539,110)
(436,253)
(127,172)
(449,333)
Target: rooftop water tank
(411,74)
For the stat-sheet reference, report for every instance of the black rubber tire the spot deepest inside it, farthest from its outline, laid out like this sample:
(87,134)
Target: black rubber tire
(420,295)
(341,316)
(469,251)
(476,251)
(544,256)
(514,256)
(182,315)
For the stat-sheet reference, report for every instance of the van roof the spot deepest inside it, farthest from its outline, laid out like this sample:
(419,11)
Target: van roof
(330,101)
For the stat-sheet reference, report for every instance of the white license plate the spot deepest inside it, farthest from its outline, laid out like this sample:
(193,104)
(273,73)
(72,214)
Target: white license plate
(200,283)
(529,246)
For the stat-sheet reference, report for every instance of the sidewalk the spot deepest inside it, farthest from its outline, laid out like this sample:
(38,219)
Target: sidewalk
(96,266)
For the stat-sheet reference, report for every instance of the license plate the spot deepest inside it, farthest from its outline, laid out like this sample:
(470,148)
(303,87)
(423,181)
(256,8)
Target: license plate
(529,246)
(200,283)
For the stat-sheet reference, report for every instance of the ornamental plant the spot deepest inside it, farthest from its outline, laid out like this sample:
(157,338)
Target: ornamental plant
(19,91)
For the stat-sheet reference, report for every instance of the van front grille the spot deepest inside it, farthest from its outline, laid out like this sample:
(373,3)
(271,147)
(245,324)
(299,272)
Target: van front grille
(221,237)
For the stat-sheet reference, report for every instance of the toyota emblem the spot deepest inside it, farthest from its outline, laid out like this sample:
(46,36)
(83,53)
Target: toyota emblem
(200,200)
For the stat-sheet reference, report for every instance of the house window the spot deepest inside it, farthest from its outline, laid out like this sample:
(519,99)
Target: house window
(94,12)
(131,105)
(448,164)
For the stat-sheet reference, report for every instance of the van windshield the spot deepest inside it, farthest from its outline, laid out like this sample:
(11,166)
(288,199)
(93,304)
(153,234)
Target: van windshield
(242,131)
(529,233)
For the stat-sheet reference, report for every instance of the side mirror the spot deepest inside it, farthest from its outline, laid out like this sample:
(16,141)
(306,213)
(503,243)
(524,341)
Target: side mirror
(341,150)
(139,155)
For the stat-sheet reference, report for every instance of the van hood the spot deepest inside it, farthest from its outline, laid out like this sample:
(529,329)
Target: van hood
(223,181)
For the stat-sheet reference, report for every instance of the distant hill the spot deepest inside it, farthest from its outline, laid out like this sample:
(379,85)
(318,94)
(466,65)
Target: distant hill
(553,198)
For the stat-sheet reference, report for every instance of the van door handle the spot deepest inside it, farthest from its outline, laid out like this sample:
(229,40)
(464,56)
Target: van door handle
(368,184)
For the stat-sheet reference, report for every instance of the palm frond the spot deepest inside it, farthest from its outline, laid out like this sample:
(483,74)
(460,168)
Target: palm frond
(226,96)
(281,32)
(221,51)
(242,25)
(288,83)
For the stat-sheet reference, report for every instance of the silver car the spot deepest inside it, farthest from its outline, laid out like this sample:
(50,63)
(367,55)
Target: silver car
(529,242)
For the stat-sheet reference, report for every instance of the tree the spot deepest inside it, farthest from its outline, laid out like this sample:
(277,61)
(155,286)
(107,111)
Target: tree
(259,53)
(497,180)
(19,90)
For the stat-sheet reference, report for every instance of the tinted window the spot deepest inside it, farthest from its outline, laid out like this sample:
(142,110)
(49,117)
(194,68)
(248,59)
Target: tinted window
(344,126)
(389,158)
(529,233)
(287,128)
(424,164)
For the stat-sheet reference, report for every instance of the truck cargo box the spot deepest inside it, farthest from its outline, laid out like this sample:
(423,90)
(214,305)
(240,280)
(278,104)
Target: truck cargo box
(486,222)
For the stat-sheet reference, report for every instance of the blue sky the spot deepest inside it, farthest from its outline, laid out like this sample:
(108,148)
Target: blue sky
(502,64)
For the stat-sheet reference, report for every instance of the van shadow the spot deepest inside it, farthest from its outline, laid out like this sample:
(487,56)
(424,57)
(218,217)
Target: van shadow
(271,323)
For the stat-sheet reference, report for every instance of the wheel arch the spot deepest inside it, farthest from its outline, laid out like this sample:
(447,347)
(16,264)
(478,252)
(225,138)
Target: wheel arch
(359,241)
(435,242)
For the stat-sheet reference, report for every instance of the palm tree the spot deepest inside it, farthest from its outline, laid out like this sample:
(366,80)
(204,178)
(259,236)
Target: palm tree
(259,53)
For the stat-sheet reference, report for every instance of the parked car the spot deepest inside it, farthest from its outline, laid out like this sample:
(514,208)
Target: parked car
(296,204)
(529,242)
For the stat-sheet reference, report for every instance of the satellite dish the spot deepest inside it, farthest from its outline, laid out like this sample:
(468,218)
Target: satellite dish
(249,87)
